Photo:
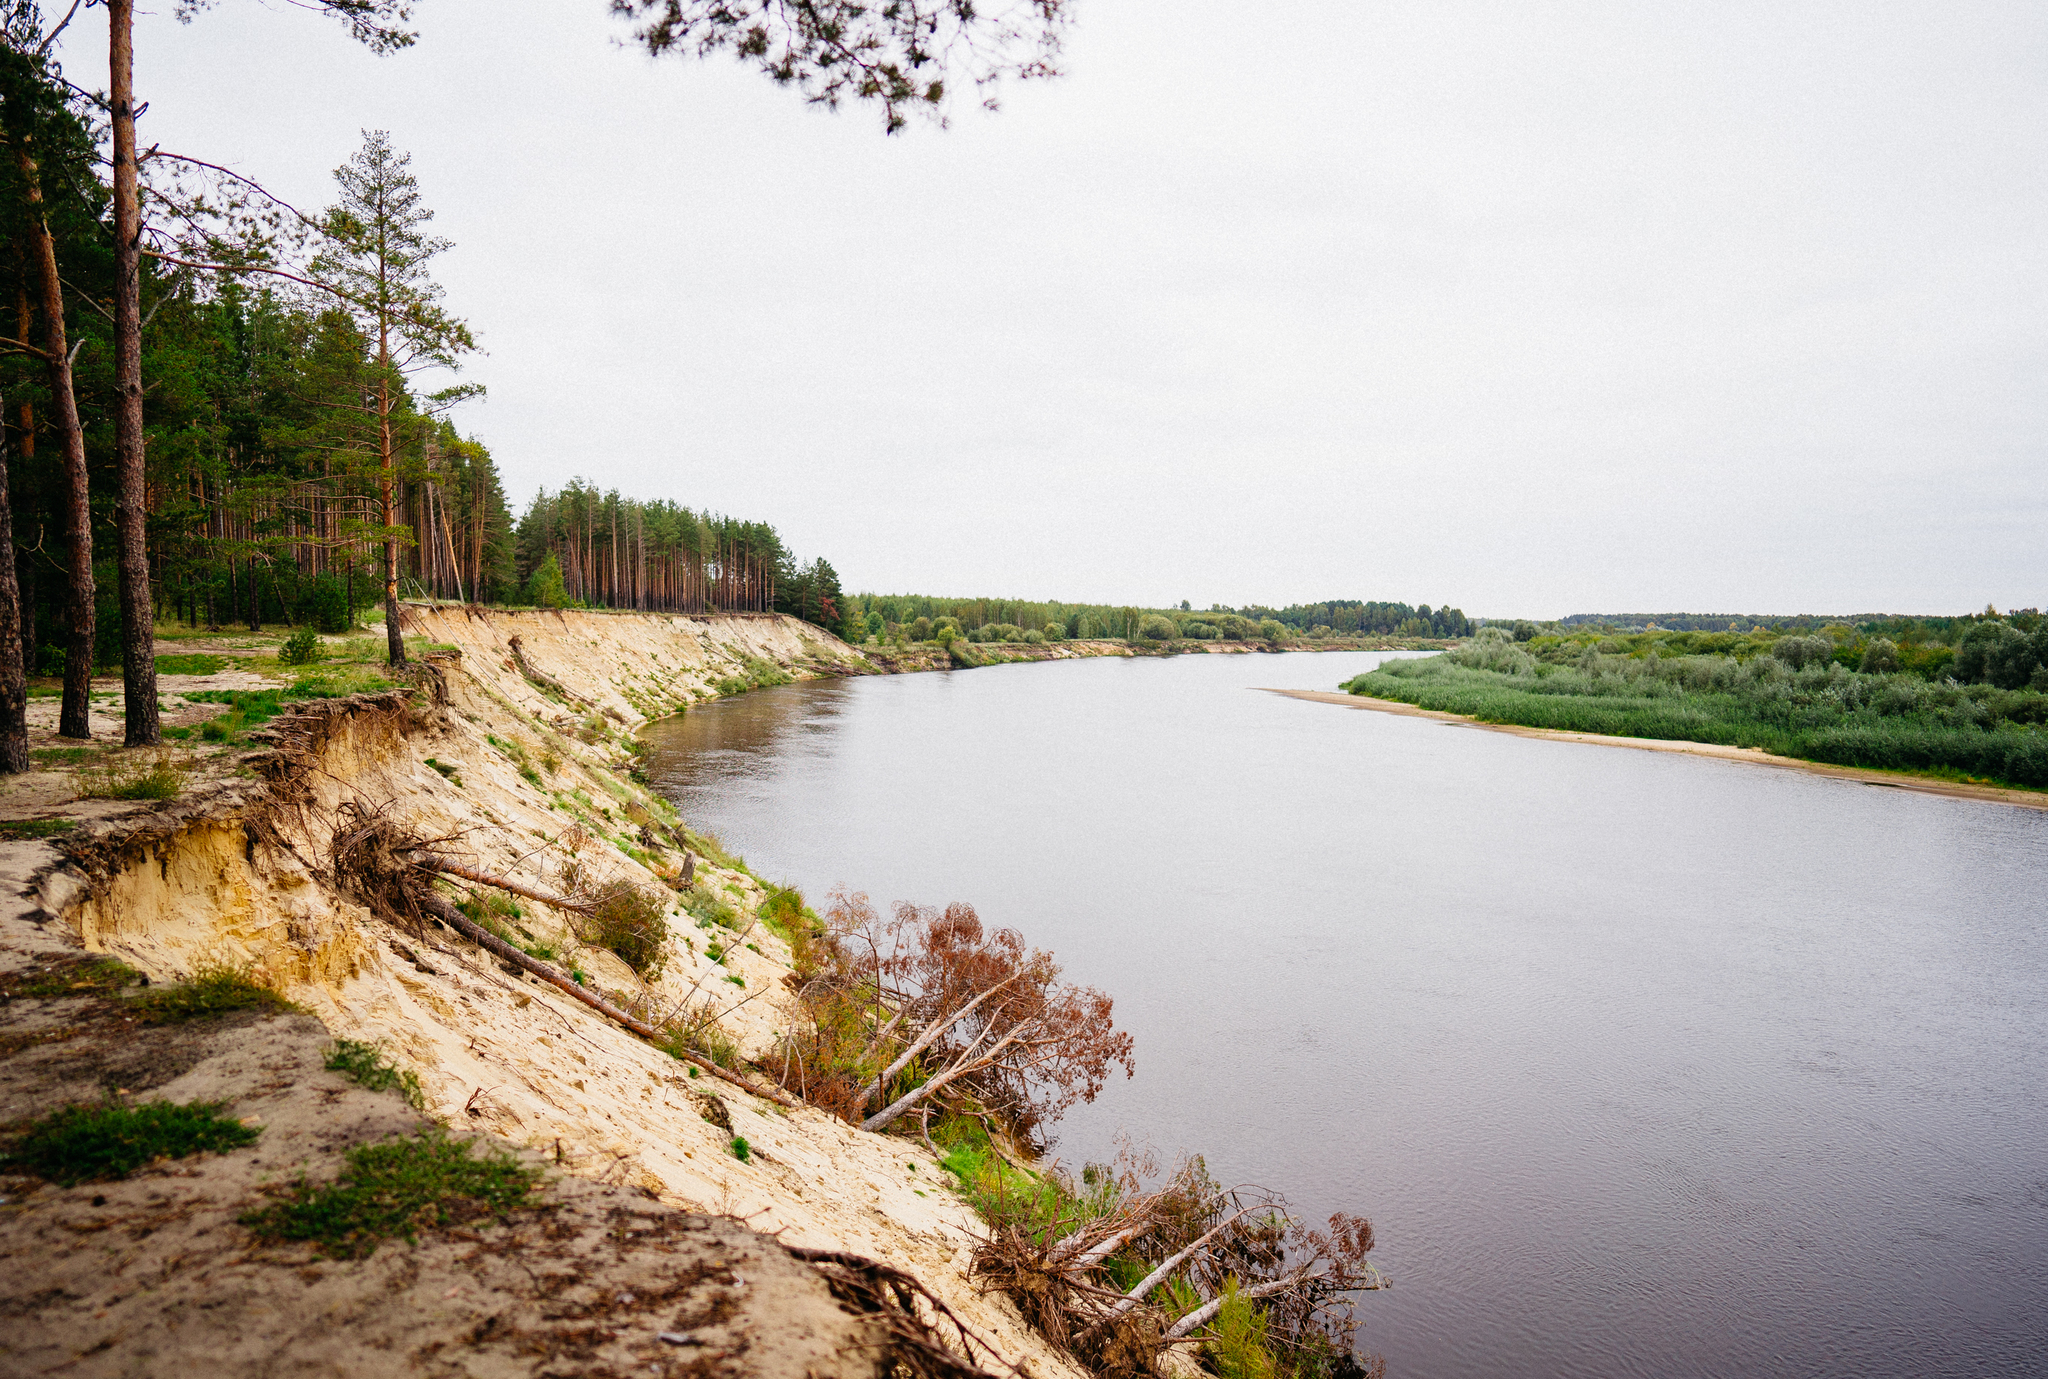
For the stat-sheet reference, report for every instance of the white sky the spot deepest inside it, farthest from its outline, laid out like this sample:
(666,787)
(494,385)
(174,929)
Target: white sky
(1533,308)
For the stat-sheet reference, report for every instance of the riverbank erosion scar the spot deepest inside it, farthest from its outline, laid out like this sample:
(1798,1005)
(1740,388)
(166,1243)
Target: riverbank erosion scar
(519,780)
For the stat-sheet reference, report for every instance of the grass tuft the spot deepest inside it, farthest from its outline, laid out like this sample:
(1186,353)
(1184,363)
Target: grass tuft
(158,779)
(215,989)
(395,1189)
(95,977)
(366,1066)
(191,663)
(81,1144)
(20,830)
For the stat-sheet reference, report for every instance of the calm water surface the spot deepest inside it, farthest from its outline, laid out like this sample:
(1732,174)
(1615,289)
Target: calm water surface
(1640,1065)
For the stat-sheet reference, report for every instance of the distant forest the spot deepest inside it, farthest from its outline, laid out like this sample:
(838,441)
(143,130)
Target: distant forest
(882,615)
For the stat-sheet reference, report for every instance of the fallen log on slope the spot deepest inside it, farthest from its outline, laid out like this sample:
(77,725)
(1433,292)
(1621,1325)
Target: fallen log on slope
(442,910)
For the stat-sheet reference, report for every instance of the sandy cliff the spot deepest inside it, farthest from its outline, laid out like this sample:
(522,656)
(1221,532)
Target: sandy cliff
(516,754)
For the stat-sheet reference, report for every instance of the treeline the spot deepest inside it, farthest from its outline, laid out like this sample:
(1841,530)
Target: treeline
(234,412)
(1350,617)
(883,616)
(613,552)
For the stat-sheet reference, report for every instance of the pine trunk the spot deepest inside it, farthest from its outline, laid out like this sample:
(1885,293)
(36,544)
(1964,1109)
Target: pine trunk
(138,615)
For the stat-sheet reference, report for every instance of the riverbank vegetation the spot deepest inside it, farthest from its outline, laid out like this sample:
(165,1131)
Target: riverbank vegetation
(927,1022)
(1842,695)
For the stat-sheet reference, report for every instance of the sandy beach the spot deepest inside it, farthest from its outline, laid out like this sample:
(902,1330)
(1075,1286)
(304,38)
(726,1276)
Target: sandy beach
(1754,756)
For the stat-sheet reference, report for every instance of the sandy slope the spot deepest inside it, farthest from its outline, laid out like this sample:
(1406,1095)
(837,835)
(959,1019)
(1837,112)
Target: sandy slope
(241,872)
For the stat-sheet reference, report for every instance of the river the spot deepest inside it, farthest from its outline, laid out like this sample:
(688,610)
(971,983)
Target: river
(1641,1065)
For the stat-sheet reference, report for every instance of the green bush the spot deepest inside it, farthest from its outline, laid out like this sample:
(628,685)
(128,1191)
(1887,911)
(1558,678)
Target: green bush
(1153,627)
(1199,631)
(301,648)
(631,923)
(81,1144)
(1034,638)
(1055,632)
(921,630)
(1273,630)
(545,588)
(395,1188)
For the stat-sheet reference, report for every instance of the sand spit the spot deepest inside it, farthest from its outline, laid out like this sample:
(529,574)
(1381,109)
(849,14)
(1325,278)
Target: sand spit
(1754,756)
(518,757)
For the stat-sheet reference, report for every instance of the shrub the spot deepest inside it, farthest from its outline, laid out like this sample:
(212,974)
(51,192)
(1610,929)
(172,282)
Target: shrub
(1034,638)
(159,779)
(545,588)
(1880,657)
(301,648)
(921,630)
(1273,630)
(1055,632)
(1153,627)
(81,1144)
(365,1065)
(631,923)
(394,1188)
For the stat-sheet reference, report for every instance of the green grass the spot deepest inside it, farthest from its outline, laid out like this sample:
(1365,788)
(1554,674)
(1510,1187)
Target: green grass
(159,778)
(18,830)
(215,989)
(64,756)
(741,1150)
(366,1066)
(81,1144)
(192,663)
(95,977)
(1826,715)
(397,1188)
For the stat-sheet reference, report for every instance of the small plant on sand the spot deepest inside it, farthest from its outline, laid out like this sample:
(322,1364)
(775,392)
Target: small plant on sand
(215,988)
(81,1144)
(157,779)
(741,1150)
(394,1189)
(366,1066)
(630,922)
(91,977)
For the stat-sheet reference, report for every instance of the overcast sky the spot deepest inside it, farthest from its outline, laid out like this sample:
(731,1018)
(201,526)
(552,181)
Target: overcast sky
(1530,308)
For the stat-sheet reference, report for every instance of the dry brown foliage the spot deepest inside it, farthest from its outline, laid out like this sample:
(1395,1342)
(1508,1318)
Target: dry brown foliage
(931,1005)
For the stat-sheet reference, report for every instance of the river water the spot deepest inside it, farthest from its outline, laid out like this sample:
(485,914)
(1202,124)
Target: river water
(1640,1065)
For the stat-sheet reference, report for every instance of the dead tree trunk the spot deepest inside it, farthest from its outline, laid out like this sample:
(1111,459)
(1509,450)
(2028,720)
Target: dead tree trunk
(13,679)
(74,718)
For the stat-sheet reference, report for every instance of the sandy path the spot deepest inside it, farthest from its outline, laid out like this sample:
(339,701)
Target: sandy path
(1754,756)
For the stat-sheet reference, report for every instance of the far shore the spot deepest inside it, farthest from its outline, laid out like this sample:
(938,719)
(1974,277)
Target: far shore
(1754,756)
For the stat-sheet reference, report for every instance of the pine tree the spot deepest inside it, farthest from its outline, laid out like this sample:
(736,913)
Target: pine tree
(377,263)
